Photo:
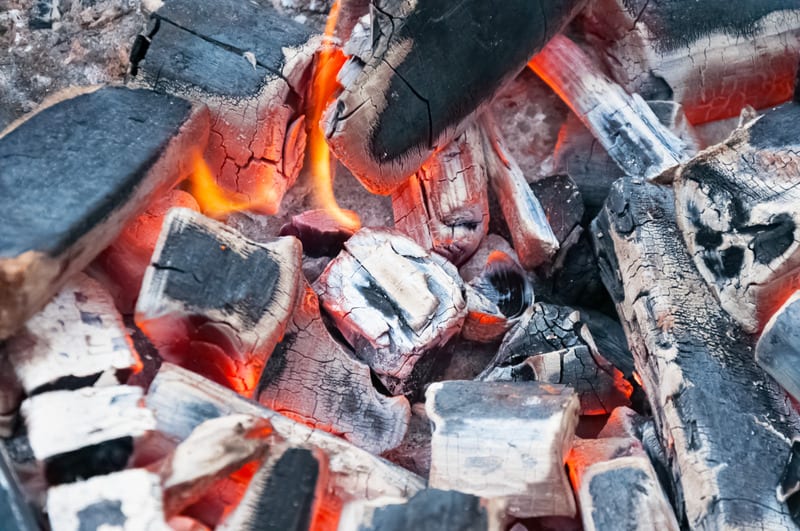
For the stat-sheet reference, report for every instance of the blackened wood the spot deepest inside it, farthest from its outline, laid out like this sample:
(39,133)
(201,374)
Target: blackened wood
(414,451)
(738,207)
(15,512)
(43,13)
(778,348)
(439,64)
(562,204)
(790,479)
(72,175)
(711,402)
(216,301)
(320,233)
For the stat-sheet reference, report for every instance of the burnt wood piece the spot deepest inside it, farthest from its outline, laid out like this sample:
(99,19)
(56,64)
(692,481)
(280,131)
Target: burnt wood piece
(562,204)
(215,448)
(129,501)
(87,432)
(531,234)
(393,301)
(444,207)
(72,175)
(778,348)
(790,480)
(713,59)
(623,124)
(215,301)
(312,377)
(504,441)
(319,231)
(738,207)
(74,341)
(10,396)
(414,451)
(43,13)
(182,400)
(476,265)
(484,323)
(15,512)
(248,64)
(404,99)
(697,367)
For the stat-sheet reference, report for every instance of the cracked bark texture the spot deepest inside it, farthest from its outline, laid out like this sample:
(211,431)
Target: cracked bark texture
(714,407)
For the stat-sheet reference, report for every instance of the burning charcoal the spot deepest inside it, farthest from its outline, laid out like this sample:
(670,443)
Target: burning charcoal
(72,175)
(562,204)
(531,233)
(402,106)
(414,451)
(711,401)
(249,73)
(504,440)
(624,125)
(184,523)
(393,301)
(76,340)
(215,301)
(623,422)
(214,449)
(738,206)
(484,323)
(709,57)
(312,377)
(445,207)
(128,501)
(778,348)
(320,233)
(91,431)
(182,400)
(476,265)
(15,513)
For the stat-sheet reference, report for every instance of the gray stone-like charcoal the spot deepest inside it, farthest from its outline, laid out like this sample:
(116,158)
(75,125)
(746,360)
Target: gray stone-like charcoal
(504,441)
(709,398)
(778,348)
(72,175)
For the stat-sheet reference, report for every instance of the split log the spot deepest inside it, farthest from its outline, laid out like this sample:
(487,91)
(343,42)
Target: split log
(73,174)
(738,206)
(778,348)
(251,74)
(444,207)
(504,441)
(78,339)
(216,302)
(393,301)
(623,124)
(87,432)
(319,231)
(182,400)
(697,367)
(128,501)
(313,378)
(404,99)
(712,59)
(15,513)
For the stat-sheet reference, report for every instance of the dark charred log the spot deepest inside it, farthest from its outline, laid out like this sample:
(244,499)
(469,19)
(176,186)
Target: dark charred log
(778,348)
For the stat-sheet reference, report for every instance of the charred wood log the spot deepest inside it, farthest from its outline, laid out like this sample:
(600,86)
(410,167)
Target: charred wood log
(73,174)
(78,339)
(778,348)
(393,302)
(313,378)
(215,301)
(504,441)
(738,206)
(407,116)
(697,367)
(15,512)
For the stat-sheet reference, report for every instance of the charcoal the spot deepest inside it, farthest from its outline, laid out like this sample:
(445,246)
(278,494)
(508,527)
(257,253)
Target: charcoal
(414,451)
(778,348)
(319,232)
(562,204)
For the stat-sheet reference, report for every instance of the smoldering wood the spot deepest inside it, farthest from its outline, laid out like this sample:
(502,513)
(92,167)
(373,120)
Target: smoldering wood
(78,339)
(393,301)
(444,206)
(696,365)
(251,73)
(484,322)
(609,336)
(184,523)
(86,432)
(320,233)
(623,124)
(496,441)
(406,114)
(476,264)
(712,59)
(15,512)
(738,207)
(587,452)
(414,451)
(789,485)
(73,174)
(313,377)
(562,204)
(778,347)
(129,500)
(216,301)
(181,400)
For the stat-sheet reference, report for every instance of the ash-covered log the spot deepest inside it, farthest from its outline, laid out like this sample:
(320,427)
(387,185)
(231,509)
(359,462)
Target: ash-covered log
(127,501)
(738,206)
(248,64)
(778,348)
(215,301)
(504,441)
(313,378)
(444,207)
(393,301)
(72,175)
(15,511)
(711,402)
(87,432)
(78,339)
(403,105)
